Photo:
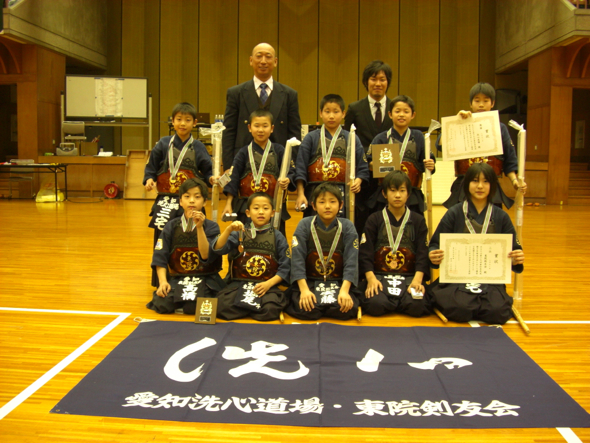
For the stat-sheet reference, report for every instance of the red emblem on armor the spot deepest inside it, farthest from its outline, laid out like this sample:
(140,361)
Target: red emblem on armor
(189,261)
(461,166)
(478,160)
(177,181)
(262,187)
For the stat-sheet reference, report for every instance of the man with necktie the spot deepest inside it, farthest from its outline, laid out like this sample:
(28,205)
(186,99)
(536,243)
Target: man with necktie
(262,92)
(370,118)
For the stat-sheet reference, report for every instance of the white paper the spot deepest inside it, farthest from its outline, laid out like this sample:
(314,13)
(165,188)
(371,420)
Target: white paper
(476,136)
(109,97)
(476,258)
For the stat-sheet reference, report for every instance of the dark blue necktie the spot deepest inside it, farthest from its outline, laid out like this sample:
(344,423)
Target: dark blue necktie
(263,93)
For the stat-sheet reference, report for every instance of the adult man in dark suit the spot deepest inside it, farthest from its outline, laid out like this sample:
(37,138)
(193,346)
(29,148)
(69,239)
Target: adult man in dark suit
(370,117)
(260,92)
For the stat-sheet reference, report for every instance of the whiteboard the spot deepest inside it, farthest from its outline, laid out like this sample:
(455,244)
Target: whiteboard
(114,97)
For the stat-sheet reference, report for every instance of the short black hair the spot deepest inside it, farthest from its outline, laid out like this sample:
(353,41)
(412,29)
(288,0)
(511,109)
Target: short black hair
(482,88)
(260,194)
(374,68)
(194,183)
(332,98)
(326,187)
(260,112)
(404,99)
(394,180)
(184,108)
(473,172)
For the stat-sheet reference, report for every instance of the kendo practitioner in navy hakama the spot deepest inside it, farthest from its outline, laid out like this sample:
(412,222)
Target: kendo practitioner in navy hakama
(393,255)
(186,266)
(324,264)
(489,303)
(259,261)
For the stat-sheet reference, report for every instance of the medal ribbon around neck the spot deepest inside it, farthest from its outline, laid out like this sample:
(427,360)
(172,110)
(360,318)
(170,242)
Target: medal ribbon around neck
(188,224)
(486,222)
(402,151)
(318,246)
(326,156)
(174,167)
(258,174)
(395,244)
(253,229)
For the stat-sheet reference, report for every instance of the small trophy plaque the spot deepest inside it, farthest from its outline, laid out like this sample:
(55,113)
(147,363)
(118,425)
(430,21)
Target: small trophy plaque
(206,310)
(385,159)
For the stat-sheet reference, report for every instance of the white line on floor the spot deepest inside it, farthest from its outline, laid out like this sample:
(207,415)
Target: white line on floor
(16,401)
(569,435)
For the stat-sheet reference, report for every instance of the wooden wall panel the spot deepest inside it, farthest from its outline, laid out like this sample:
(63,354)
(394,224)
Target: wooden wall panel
(218,51)
(133,38)
(459,45)
(27,105)
(338,49)
(379,20)
(419,53)
(133,59)
(539,101)
(50,81)
(538,134)
(258,22)
(487,41)
(298,37)
(152,49)
(179,55)
(539,80)
(559,145)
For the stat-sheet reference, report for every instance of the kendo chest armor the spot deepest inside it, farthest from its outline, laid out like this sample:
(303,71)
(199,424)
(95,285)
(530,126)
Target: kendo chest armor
(402,261)
(409,164)
(496,162)
(188,169)
(268,181)
(335,170)
(477,227)
(313,265)
(184,258)
(258,261)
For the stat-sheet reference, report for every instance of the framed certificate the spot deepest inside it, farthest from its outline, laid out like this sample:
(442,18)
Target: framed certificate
(476,136)
(385,159)
(476,258)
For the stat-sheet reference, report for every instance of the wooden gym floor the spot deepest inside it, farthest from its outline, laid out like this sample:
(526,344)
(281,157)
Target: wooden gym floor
(91,261)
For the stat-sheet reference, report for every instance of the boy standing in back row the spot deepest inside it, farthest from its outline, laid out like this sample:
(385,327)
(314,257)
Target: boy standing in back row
(173,160)
(322,155)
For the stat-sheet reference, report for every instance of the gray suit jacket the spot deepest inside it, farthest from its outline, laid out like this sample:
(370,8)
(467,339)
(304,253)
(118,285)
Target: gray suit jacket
(360,114)
(242,100)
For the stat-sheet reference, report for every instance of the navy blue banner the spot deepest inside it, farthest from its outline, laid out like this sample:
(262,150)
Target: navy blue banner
(324,375)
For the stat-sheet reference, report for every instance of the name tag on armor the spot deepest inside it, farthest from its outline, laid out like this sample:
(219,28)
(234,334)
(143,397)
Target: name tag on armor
(326,292)
(247,298)
(393,285)
(189,288)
